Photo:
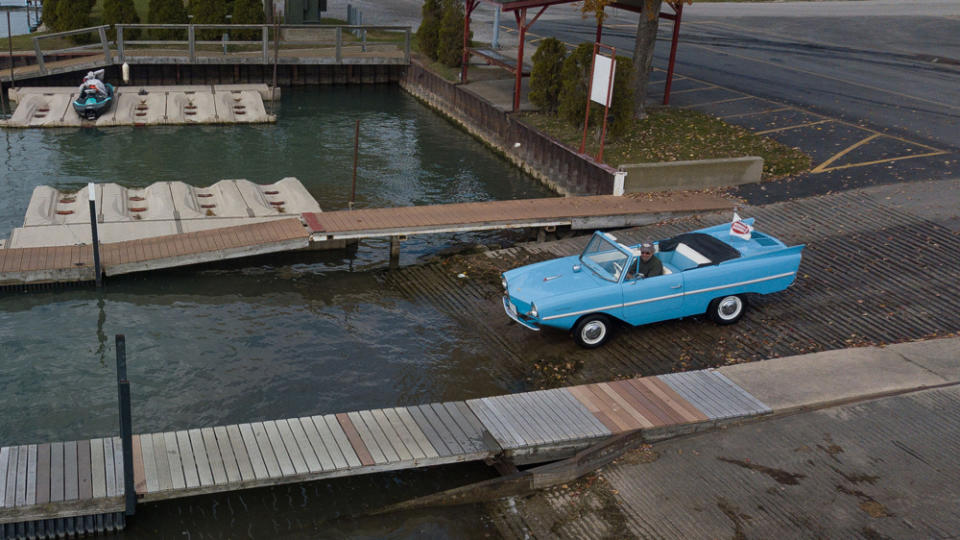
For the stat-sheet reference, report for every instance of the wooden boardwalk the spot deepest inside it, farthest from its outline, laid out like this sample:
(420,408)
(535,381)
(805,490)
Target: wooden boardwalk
(20,266)
(577,212)
(43,483)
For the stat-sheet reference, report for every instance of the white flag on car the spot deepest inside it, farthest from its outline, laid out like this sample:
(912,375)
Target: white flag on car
(740,229)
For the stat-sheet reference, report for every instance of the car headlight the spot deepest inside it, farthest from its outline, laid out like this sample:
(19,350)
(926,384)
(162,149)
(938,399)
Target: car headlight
(503,281)
(533,310)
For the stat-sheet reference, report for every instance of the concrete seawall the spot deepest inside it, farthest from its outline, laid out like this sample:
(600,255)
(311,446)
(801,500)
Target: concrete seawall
(699,174)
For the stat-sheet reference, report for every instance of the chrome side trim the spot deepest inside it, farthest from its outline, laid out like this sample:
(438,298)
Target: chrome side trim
(758,280)
(506,308)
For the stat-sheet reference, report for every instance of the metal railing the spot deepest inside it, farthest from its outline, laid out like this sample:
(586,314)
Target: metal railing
(295,41)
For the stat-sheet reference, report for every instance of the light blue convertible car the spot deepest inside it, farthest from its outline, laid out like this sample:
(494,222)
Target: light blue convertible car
(711,271)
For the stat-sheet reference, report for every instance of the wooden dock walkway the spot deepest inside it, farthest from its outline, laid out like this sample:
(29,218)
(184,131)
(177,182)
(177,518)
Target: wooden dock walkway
(42,486)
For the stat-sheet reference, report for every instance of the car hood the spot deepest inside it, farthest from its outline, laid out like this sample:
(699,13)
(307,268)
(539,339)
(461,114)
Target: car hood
(550,279)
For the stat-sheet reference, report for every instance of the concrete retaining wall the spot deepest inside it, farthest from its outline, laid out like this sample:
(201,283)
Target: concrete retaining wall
(544,158)
(704,173)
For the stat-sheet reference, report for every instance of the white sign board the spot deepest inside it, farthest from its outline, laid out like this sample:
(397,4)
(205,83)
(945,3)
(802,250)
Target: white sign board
(603,70)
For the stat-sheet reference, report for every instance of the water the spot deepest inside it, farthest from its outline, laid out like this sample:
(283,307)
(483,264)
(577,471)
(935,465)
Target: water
(274,337)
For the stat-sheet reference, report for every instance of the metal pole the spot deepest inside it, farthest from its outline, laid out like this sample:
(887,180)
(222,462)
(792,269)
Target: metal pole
(495,43)
(606,105)
(356,155)
(678,8)
(522,30)
(126,426)
(586,120)
(276,50)
(92,196)
(28,16)
(13,83)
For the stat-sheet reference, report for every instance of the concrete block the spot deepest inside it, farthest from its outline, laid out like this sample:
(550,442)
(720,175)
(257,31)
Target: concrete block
(941,356)
(699,174)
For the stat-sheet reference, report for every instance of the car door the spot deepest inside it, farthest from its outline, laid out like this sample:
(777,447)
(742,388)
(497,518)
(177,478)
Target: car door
(652,299)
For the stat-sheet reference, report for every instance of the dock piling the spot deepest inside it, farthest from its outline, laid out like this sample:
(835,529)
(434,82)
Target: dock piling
(126,426)
(92,196)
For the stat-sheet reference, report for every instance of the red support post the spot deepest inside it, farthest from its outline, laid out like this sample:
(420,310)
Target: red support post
(586,120)
(606,106)
(521,15)
(678,8)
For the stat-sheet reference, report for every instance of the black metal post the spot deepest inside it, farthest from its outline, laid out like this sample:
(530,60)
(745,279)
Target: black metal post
(91,188)
(356,151)
(13,82)
(126,426)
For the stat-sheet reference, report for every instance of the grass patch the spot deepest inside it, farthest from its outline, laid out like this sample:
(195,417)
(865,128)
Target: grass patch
(669,134)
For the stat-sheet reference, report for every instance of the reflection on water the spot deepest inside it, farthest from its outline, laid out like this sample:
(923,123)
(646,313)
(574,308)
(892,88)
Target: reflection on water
(273,337)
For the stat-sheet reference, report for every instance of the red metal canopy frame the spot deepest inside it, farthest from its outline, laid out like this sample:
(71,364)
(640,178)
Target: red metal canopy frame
(519,9)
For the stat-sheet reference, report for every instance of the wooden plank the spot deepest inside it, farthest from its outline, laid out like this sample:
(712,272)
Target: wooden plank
(516,431)
(293,449)
(11,480)
(682,402)
(541,405)
(585,398)
(356,443)
(434,438)
(43,474)
(266,450)
(118,465)
(640,403)
(675,415)
(677,408)
(455,430)
(329,443)
(240,452)
(421,439)
(109,469)
(84,470)
(213,456)
(391,446)
(615,409)
(734,400)
(226,452)
(177,479)
(4,459)
(710,388)
(22,458)
(498,430)
(540,425)
(149,463)
(559,408)
(340,436)
(204,473)
(305,446)
(97,470)
(369,440)
(473,438)
(279,449)
(694,396)
(392,437)
(161,457)
(257,463)
(466,413)
(761,406)
(31,475)
(441,429)
(320,450)
(625,405)
(191,476)
(71,479)
(139,478)
(56,472)
(404,433)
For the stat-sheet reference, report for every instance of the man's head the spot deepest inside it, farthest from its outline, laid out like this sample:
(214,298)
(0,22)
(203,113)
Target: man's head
(646,251)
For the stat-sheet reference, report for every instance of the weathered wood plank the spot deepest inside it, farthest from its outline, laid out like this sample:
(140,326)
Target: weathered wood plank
(56,472)
(321,453)
(240,452)
(253,451)
(4,459)
(43,474)
(149,463)
(418,435)
(279,450)
(356,446)
(337,450)
(574,407)
(434,438)
(118,464)
(672,413)
(494,425)
(97,469)
(404,433)
(451,425)
(542,406)
(624,405)
(177,478)
(84,470)
(665,390)
(506,421)
(266,450)
(191,476)
(139,478)
(675,407)
(293,449)
(475,425)
(109,470)
(366,437)
(572,425)
(213,456)
(761,406)
(230,465)
(526,418)
(388,441)
(694,396)
(473,438)
(71,480)
(11,480)
(734,399)
(162,457)
(434,421)
(586,399)
(204,472)
(303,444)
(31,475)
(21,486)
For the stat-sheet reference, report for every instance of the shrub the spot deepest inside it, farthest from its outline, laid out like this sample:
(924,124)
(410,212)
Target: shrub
(168,12)
(50,14)
(450,37)
(209,12)
(623,106)
(247,12)
(573,89)
(573,96)
(120,12)
(545,77)
(74,14)
(427,34)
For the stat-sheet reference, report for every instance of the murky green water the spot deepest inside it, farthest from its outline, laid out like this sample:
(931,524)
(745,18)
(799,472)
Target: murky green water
(271,338)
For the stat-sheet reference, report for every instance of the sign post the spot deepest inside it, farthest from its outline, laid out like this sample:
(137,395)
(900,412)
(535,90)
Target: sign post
(602,70)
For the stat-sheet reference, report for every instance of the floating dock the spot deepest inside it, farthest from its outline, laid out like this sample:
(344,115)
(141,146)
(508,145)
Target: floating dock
(49,107)
(44,485)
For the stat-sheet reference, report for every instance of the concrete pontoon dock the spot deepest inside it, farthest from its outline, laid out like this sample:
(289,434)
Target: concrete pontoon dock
(144,106)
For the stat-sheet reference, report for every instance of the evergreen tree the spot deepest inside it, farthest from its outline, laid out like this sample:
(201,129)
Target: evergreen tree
(120,12)
(50,14)
(575,74)
(623,106)
(168,12)
(573,96)
(450,37)
(427,34)
(247,12)
(209,12)
(545,77)
(74,14)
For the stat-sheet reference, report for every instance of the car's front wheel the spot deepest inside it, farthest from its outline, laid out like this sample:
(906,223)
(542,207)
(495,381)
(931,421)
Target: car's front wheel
(727,309)
(592,331)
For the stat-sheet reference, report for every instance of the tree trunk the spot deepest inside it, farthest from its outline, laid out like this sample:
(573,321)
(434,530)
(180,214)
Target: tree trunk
(643,52)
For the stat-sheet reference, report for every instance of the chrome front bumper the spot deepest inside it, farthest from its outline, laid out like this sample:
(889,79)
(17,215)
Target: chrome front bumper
(512,313)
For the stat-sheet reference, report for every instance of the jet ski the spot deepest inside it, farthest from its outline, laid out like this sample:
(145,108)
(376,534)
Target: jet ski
(95,96)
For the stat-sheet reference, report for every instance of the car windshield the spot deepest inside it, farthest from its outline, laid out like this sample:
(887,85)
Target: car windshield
(604,258)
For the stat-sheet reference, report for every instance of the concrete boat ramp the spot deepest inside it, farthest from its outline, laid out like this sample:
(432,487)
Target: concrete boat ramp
(173,224)
(145,105)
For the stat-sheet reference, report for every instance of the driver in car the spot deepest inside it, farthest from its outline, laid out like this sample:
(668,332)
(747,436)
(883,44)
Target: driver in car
(647,264)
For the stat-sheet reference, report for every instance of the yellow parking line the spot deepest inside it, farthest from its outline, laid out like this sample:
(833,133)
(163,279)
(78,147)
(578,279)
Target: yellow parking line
(718,102)
(847,150)
(865,163)
(692,90)
(781,109)
(764,132)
